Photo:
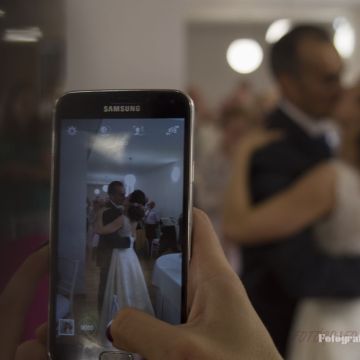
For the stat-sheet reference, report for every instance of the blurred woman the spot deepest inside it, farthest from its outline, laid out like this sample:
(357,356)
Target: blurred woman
(329,196)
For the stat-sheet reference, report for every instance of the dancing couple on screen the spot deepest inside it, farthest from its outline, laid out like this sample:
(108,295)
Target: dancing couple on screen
(122,282)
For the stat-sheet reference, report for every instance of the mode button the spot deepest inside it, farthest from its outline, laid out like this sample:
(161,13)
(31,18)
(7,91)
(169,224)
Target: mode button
(115,355)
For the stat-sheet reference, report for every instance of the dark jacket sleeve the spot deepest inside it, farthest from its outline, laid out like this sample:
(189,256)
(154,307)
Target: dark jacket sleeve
(301,267)
(304,270)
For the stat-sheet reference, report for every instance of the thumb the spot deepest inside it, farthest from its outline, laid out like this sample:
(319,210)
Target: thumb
(135,331)
(31,350)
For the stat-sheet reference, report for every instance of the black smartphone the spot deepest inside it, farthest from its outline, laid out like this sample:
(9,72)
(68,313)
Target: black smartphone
(121,214)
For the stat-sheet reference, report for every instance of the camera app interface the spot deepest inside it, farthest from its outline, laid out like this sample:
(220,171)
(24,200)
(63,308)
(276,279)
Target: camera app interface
(119,233)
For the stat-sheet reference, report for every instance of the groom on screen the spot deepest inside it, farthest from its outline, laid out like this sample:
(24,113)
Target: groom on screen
(114,209)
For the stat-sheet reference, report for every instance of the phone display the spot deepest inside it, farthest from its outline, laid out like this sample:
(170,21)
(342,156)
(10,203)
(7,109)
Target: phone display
(120,215)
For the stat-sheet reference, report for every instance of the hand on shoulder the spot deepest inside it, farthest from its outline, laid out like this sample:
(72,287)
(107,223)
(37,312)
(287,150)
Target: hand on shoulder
(255,140)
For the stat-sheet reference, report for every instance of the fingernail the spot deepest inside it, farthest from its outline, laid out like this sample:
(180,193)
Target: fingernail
(108,332)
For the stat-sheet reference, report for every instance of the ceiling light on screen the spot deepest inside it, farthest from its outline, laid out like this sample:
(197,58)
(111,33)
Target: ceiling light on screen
(175,174)
(2,13)
(244,55)
(344,38)
(277,30)
(111,146)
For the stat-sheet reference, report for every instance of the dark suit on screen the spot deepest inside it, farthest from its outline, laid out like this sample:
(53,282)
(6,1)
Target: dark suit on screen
(104,250)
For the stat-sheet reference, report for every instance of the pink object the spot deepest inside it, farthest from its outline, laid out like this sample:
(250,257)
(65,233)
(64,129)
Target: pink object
(12,255)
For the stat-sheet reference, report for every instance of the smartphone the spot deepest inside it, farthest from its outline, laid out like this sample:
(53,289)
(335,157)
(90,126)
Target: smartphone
(120,214)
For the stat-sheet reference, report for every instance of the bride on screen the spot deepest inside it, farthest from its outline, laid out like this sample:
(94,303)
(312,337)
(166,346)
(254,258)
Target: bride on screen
(125,286)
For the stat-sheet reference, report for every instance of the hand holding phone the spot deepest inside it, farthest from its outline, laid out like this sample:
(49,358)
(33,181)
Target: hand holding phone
(222,324)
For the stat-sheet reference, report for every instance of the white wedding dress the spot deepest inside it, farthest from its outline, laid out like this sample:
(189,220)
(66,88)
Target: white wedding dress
(338,234)
(125,285)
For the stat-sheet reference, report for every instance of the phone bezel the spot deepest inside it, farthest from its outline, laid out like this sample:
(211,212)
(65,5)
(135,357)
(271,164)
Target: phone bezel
(90,104)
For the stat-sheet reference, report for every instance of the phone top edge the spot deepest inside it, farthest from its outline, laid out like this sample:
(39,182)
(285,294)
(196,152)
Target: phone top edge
(132,91)
(100,104)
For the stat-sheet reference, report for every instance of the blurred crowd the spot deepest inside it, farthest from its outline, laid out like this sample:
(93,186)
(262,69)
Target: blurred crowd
(217,133)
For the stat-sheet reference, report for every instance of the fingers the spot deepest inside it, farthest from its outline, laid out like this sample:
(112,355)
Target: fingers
(41,334)
(138,332)
(205,242)
(207,254)
(31,350)
(16,298)
(207,258)
(35,349)
(32,270)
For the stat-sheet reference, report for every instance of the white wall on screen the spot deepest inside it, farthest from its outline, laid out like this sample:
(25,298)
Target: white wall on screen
(159,187)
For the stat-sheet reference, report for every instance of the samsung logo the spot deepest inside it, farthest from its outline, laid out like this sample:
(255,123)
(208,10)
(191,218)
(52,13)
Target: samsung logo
(122,108)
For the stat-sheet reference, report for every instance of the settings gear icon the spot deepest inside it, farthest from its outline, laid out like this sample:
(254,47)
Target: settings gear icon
(72,130)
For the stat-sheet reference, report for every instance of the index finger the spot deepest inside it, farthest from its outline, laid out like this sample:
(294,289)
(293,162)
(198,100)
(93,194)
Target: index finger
(208,257)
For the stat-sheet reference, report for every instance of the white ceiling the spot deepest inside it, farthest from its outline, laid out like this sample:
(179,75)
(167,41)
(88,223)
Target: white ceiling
(121,152)
(267,10)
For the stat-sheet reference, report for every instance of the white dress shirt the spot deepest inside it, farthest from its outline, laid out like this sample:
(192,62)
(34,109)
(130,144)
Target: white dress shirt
(313,127)
(151,217)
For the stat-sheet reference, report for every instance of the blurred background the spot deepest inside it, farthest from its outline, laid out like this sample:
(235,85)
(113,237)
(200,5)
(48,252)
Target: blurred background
(215,50)
(49,48)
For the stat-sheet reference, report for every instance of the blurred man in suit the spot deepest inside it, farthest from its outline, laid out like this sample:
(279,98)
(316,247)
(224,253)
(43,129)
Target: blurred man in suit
(307,69)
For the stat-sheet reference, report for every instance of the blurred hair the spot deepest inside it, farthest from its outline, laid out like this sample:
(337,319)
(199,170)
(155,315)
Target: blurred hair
(113,185)
(137,196)
(137,200)
(283,54)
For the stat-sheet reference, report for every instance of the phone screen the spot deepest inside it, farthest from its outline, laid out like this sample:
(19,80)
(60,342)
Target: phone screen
(119,228)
